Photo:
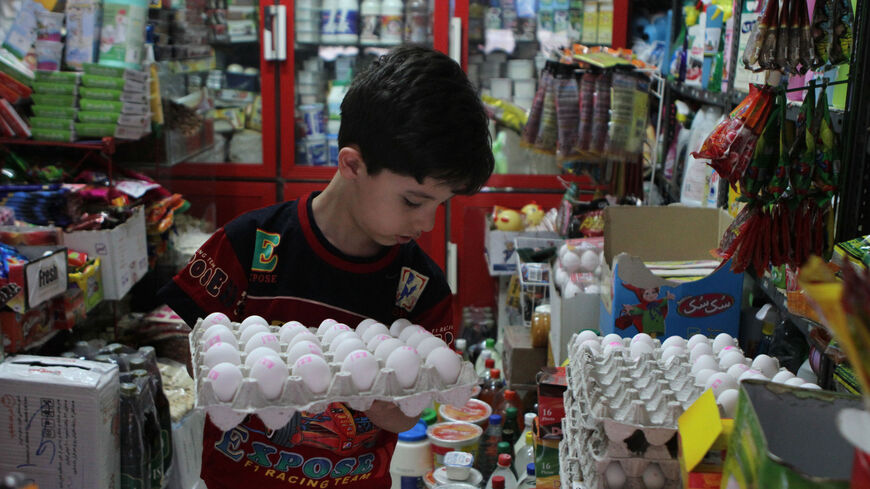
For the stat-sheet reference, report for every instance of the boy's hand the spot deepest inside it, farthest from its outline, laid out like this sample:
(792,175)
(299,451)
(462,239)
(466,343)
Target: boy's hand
(388,416)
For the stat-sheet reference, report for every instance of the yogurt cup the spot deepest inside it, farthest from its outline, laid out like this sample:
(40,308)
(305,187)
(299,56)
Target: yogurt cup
(475,411)
(453,436)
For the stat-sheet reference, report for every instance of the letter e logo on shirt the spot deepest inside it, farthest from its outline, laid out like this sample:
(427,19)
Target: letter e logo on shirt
(411,285)
(264,251)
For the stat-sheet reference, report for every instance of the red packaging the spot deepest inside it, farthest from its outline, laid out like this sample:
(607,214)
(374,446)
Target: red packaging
(13,119)
(552,384)
(14,86)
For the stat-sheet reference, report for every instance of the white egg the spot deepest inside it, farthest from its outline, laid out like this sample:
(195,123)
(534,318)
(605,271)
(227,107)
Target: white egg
(721,341)
(593,345)
(418,337)
(737,370)
(571,262)
(446,362)
(373,343)
(333,331)
(653,477)
(270,372)
(639,349)
(346,347)
(398,326)
(305,336)
(704,361)
(587,334)
(314,372)
(289,330)
(338,340)
(385,347)
(702,376)
(810,385)
(263,339)
(406,362)
(782,376)
(374,330)
(613,347)
(425,347)
(565,248)
(728,400)
(766,365)
(589,261)
(592,289)
(615,476)
(562,278)
(672,351)
(698,350)
(301,348)
(410,330)
(364,325)
(257,354)
(796,381)
(751,374)
(719,382)
(363,368)
(730,359)
(721,353)
(221,353)
(571,290)
(219,334)
(644,338)
(325,324)
(215,318)
(695,339)
(678,341)
(225,380)
(252,320)
(250,331)
(611,338)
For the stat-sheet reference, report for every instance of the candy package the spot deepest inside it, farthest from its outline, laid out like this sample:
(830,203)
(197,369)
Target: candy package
(567,111)
(533,125)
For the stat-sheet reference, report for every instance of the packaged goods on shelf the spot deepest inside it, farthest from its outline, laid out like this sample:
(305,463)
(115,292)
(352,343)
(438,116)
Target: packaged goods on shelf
(41,278)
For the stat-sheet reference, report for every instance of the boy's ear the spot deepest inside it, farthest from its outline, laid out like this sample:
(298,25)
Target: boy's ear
(350,163)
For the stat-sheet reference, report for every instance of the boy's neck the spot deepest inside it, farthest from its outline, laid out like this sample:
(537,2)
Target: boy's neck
(332,213)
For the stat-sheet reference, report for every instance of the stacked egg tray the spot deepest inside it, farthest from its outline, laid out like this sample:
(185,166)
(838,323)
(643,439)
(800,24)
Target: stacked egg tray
(412,386)
(621,411)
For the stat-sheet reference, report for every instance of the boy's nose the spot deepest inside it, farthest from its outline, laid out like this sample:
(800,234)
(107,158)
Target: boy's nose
(426,221)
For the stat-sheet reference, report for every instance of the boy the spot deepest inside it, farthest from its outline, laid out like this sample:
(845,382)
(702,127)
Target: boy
(413,134)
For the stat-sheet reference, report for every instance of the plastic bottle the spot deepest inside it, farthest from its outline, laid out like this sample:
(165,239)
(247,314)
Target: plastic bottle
(525,453)
(489,345)
(347,21)
(370,22)
(161,402)
(153,438)
(334,99)
(512,399)
(134,457)
(392,23)
(327,21)
(412,458)
(498,482)
(505,448)
(503,470)
(462,348)
(511,432)
(417,22)
(487,452)
(528,425)
(488,365)
(492,391)
(480,364)
(528,480)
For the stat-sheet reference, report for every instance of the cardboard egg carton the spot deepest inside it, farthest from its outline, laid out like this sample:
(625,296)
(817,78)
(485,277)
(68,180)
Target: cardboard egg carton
(594,471)
(296,396)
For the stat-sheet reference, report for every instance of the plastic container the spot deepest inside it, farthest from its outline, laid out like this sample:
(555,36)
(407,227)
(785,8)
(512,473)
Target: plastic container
(417,22)
(528,481)
(453,436)
(370,22)
(347,21)
(316,150)
(327,21)
(392,22)
(453,473)
(501,88)
(334,99)
(503,470)
(519,69)
(313,116)
(332,149)
(475,411)
(412,458)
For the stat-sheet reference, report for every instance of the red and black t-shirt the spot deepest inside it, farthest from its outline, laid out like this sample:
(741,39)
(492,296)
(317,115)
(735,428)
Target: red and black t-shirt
(276,263)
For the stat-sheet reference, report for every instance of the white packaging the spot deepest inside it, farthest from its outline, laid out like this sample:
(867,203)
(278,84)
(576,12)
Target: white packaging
(327,21)
(122,249)
(347,21)
(519,69)
(501,88)
(60,421)
(370,22)
(334,99)
(392,21)
(83,32)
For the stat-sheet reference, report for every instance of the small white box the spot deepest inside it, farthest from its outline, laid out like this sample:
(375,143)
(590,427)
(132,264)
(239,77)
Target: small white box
(500,248)
(60,421)
(123,251)
(569,316)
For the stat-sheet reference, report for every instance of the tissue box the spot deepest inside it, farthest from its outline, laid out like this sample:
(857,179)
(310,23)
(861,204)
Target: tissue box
(635,300)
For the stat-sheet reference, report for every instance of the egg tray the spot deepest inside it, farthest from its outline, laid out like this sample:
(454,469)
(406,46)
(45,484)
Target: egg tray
(593,470)
(296,396)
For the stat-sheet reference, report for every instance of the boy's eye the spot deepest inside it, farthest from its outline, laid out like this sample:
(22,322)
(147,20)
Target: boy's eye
(410,204)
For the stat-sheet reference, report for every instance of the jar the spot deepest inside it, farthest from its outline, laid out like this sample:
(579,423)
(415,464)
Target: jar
(540,326)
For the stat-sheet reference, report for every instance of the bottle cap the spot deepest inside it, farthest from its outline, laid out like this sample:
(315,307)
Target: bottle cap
(504,447)
(417,433)
(495,419)
(511,412)
(530,439)
(529,419)
(489,363)
(495,373)
(490,343)
(498,482)
(429,416)
(530,469)
(461,344)
(504,460)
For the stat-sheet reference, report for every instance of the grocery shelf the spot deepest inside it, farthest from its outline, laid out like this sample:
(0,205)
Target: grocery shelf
(106,145)
(781,302)
(700,95)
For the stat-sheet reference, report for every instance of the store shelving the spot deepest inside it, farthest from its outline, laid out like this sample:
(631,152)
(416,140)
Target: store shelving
(106,145)
(700,95)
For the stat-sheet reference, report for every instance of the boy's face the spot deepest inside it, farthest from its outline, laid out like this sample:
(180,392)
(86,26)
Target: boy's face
(394,209)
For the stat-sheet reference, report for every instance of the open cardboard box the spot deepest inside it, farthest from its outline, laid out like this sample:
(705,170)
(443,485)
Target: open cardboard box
(634,300)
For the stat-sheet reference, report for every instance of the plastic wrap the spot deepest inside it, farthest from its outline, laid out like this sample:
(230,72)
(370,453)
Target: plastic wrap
(567,112)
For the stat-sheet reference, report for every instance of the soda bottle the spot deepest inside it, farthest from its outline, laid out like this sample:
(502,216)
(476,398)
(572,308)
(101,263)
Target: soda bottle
(417,22)
(161,403)
(525,453)
(487,452)
(462,348)
(503,470)
(498,482)
(528,481)
(151,426)
(511,431)
(480,364)
(507,449)
(135,468)
(492,391)
(511,398)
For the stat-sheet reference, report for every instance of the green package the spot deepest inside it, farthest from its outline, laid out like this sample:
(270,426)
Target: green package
(50,123)
(94,130)
(68,77)
(54,112)
(112,83)
(50,88)
(57,135)
(103,117)
(116,72)
(100,105)
(100,93)
(57,100)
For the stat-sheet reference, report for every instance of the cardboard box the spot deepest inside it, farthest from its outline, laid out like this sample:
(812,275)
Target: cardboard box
(40,279)
(634,300)
(90,282)
(500,248)
(552,384)
(60,421)
(787,437)
(21,330)
(569,316)
(521,362)
(703,442)
(69,309)
(122,251)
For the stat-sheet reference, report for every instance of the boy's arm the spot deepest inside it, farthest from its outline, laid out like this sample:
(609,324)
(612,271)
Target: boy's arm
(388,416)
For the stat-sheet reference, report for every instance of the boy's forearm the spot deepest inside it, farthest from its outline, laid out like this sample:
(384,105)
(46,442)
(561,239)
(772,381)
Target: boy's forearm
(388,416)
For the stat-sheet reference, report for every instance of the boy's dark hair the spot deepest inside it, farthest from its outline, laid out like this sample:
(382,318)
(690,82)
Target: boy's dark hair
(414,112)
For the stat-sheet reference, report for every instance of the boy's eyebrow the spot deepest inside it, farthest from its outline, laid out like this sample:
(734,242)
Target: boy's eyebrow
(420,194)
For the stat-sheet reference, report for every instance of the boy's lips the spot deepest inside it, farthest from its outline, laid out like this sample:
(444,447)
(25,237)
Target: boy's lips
(403,239)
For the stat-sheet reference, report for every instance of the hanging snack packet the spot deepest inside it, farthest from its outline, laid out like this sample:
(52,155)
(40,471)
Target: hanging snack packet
(767,55)
(533,124)
(719,141)
(841,40)
(805,35)
(600,112)
(827,167)
(766,20)
(545,140)
(801,173)
(587,104)
(779,180)
(621,124)
(794,37)
(567,111)
(821,32)
(764,159)
(740,153)
(781,60)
